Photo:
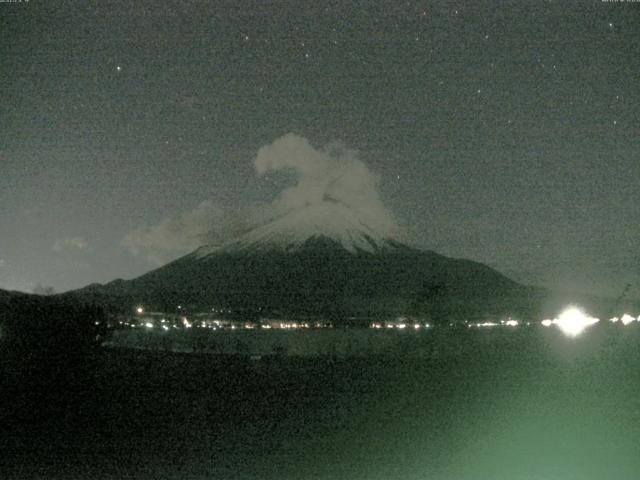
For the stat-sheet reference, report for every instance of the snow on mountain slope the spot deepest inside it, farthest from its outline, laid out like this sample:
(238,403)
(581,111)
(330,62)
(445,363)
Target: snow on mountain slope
(289,233)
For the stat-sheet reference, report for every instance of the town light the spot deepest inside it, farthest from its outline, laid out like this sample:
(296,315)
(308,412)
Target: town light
(574,321)
(626,319)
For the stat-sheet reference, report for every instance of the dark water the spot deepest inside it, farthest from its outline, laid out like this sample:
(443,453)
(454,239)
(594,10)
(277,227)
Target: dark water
(517,404)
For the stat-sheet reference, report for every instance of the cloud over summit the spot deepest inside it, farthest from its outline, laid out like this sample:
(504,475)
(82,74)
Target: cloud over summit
(208,223)
(332,174)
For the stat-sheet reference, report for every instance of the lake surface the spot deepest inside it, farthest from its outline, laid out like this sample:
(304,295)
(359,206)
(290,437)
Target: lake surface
(526,403)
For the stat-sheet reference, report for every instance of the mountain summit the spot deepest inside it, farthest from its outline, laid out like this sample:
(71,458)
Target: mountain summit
(290,233)
(323,261)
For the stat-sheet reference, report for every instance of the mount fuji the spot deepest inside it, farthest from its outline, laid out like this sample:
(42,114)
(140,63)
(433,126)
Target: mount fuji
(321,260)
(290,233)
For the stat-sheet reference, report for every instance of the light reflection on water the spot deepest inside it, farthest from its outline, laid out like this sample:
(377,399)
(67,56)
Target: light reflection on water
(491,404)
(556,411)
(531,405)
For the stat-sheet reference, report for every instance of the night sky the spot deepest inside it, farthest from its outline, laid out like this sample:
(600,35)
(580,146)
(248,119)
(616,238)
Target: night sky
(504,132)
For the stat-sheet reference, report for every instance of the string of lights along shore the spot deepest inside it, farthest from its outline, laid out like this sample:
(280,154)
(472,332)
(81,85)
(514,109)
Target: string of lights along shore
(572,321)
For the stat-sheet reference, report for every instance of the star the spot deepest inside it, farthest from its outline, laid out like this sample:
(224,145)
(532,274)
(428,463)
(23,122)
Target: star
(118,68)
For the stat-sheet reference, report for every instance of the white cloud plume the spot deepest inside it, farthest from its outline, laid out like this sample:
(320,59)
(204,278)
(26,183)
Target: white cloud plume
(208,223)
(331,174)
(70,243)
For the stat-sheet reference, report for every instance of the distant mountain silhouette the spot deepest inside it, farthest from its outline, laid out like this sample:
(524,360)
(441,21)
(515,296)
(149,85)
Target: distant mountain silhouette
(6,296)
(322,261)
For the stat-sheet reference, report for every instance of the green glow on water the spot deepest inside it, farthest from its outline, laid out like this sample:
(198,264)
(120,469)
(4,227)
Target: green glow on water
(487,404)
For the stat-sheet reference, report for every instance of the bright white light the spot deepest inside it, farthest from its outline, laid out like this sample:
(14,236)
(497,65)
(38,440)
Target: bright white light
(140,310)
(401,325)
(511,323)
(148,325)
(614,319)
(165,328)
(573,321)
(627,319)
(547,322)
(486,324)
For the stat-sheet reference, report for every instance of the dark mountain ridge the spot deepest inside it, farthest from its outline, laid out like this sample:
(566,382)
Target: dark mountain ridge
(323,261)
(322,278)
